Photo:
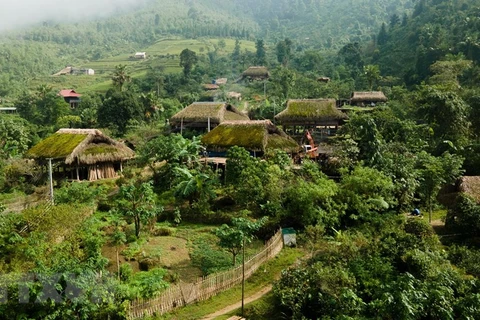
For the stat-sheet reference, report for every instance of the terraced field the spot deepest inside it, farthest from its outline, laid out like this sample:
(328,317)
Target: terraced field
(164,53)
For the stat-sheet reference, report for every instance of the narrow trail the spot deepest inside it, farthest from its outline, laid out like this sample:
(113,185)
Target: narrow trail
(237,305)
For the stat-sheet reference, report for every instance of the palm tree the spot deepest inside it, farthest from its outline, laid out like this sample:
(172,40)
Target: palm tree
(120,76)
(372,74)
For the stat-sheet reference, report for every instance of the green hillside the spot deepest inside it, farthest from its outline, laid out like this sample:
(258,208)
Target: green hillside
(29,55)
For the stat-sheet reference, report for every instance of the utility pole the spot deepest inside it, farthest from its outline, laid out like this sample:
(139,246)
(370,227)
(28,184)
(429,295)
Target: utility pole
(50,178)
(243,275)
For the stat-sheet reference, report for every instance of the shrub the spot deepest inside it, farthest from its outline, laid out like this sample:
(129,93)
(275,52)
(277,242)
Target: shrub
(163,231)
(126,272)
(208,259)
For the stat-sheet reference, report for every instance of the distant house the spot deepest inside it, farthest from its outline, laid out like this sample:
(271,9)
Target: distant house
(88,72)
(70,97)
(221,81)
(323,79)
(256,136)
(140,55)
(369,98)
(256,73)
(234,95)
(210,86)
(205,116)
(82,154)
(317,115)
(8,110)
(75,71)
(65,71)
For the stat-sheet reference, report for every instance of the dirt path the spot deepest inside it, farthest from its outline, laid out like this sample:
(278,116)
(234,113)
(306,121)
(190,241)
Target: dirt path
(237,305)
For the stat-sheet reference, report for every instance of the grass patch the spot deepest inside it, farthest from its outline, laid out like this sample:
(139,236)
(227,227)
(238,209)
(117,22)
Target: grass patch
(264,276)
(437,214)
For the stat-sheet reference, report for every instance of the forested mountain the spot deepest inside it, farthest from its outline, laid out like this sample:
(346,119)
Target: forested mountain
(407,45)
(321,24)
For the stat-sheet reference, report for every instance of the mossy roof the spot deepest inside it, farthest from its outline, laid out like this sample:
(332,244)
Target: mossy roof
(85,146)
(255,135)
(310,110)
(256,71)
(375,96)
(201,111)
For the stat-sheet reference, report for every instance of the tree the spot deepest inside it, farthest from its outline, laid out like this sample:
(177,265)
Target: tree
(372,74)
(14,136)
(120,77)
(137,200)
(284,51)
(366,192)
(446,113)
(435,172)
(118,108)
(188,59)
(351,54)
(195,186)
(382,35)
(234,238)
(260,55)
(236,54)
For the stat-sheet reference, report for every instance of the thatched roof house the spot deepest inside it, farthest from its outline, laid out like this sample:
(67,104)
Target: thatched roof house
(311,112)
(205,115)
(470,185)
(256,136)
(82,153)
(256,73)
(210,86)
(367,98)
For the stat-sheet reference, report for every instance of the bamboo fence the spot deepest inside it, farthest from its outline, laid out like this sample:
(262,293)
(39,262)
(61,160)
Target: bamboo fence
(206,287)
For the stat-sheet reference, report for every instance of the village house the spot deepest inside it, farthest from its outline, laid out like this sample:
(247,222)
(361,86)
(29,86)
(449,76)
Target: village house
(221,81)
(368,98)
(81,154)
(140,55)
(204,116)
(256,136)
(71,97)
(320,116)
(75,71)
(256,73)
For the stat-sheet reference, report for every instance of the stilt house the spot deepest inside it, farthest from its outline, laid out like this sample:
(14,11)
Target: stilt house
(320,116)
(82,154)
(256,136)
(204,116)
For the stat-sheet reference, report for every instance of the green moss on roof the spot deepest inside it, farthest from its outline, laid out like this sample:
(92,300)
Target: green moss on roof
(311,110)
(252,135)
(58,145)
(256,72)
(201,111)
(248,136)
(276,141)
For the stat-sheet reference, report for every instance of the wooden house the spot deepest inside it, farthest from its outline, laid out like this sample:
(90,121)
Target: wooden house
(204,116)
(82,154)
(317,115)
(71,97)
(256,73)
(256,136)
(369,98)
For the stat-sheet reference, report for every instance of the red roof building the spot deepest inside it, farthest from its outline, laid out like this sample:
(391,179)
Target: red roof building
(70,97)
